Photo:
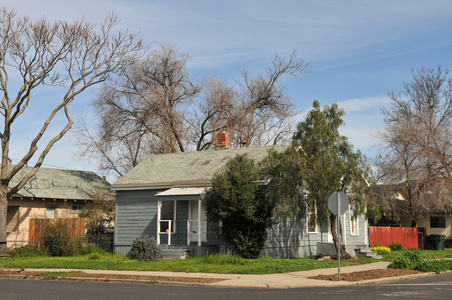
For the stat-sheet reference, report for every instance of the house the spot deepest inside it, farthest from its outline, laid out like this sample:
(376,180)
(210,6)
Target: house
(162,197)
(436,219)
(50,193)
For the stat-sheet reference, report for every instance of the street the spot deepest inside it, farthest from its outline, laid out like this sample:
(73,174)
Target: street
(429,287)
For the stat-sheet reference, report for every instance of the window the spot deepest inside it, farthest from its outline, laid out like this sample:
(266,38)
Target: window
(12,219)
(311,219)
(50,212)
(353,222)
(77,207)
(437,222)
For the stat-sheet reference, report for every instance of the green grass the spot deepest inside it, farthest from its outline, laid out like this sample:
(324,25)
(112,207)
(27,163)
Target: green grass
(213,264)
(222,264)
(427,254)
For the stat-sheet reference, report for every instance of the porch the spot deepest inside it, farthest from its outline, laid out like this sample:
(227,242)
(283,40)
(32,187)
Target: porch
(182,226)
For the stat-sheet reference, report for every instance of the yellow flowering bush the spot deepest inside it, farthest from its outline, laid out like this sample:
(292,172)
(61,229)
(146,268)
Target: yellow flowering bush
(381,250)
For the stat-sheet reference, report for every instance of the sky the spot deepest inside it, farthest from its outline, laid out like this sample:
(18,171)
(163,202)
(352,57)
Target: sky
(357,51)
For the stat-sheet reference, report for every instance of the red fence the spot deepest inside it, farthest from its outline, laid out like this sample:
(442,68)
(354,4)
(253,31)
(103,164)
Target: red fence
(384,236)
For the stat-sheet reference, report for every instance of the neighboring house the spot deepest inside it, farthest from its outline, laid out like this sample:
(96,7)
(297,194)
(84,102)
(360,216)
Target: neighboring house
(50,193)
(162,197)
(434,222)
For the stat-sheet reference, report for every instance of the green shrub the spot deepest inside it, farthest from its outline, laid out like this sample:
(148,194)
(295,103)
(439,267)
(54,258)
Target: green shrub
(88,249)
(436,266)
(407,260)
(27,251)
(145,248)
(94,256)
(57,237)
(448,242)
(395,247)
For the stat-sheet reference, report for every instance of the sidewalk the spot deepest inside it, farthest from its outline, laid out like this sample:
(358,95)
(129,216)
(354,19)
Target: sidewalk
(286,280)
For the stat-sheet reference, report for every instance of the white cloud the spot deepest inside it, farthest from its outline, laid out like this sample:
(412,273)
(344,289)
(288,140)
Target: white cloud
(360,104)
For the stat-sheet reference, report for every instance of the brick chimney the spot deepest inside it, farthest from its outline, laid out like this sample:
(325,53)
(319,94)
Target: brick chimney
(223,140)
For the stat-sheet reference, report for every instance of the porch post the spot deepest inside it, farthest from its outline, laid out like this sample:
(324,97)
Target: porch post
(188,223)
(199,223)
(344,229)
(159,204)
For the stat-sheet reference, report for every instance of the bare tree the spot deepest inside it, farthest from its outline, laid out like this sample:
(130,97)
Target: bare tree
(72,56)
(264,112)
(417,140)
(150,98)
(155,107)
(214,112)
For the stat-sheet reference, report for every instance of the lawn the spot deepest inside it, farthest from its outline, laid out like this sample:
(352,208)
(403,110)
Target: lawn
(221,264)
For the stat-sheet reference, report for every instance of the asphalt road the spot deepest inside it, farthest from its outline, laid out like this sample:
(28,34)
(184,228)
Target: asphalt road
(430,287)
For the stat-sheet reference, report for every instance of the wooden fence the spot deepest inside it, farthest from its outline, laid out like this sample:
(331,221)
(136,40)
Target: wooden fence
(76,228)
(385,236)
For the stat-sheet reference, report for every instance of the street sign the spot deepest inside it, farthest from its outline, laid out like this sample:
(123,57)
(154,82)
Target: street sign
(334,202)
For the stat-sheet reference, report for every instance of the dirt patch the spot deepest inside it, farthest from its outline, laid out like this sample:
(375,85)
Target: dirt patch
(106,277)
(367,275)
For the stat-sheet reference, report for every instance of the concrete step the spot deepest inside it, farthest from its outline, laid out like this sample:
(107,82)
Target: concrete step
(174,251)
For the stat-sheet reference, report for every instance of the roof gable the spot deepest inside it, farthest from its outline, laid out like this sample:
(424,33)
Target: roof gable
(185,168)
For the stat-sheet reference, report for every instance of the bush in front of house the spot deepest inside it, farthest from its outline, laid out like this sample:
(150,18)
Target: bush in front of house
(448,242)
(57,237)
(27,251)
(395,247)
(145,248)
(241,205)
(407,260)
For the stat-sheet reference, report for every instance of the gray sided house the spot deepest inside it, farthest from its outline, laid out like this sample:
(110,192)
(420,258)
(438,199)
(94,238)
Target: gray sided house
(162,198)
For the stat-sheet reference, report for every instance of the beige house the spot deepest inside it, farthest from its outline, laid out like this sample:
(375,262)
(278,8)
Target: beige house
(50,193)
(433,224)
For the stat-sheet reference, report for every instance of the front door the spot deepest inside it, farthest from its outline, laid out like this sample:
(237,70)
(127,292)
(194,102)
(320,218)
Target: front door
(193,221)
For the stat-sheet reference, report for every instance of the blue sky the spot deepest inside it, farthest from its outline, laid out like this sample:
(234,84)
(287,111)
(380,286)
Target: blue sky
(357,50)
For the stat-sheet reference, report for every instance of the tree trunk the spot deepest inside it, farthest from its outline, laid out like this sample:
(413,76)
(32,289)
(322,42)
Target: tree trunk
(3,212)
(333,222)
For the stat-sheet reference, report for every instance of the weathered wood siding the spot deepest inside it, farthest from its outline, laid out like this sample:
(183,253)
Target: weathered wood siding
(352,239)
(291,240)
(136,214)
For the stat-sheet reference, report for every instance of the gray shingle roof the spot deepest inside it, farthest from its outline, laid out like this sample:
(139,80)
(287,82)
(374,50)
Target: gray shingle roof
(184,169)
(59,184)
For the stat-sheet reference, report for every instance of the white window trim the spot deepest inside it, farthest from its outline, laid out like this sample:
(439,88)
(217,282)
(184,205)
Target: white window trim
(350,213)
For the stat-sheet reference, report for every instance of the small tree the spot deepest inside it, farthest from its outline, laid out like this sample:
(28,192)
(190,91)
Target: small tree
(320,162)
(241,205)
(99,214)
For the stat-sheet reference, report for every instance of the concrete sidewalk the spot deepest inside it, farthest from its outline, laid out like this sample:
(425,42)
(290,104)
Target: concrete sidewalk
(286,280)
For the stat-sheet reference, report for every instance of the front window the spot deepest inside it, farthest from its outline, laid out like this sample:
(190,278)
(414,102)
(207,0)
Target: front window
(353,222)
(312,219)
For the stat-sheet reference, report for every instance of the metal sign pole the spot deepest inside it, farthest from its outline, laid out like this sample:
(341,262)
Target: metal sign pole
(338,240)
